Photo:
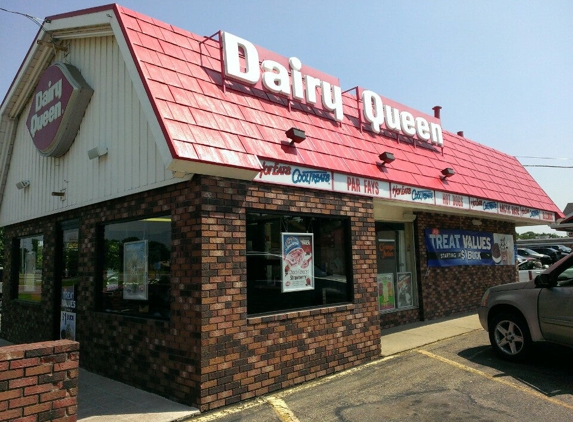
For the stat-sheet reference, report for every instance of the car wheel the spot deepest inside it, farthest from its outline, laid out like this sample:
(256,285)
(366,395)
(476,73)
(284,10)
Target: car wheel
(509,336)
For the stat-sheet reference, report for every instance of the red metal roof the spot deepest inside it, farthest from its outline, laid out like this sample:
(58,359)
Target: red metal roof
(202,122)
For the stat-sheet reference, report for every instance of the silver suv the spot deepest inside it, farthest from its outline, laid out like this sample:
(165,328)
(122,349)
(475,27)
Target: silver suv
(519,314)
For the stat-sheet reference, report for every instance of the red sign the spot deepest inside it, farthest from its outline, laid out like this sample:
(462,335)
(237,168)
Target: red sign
(58,106)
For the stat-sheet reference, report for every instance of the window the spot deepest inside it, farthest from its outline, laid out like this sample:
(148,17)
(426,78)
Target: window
(296,262)
(136,275)
(396,266)
(30,264)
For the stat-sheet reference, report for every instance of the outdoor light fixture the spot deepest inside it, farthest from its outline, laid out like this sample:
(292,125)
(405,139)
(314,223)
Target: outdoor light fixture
(386,158)
(97,152)
(447,172)
(295,135)
(23,184)
(477,222)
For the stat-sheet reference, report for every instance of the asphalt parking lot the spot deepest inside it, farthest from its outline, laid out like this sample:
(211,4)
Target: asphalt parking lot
(455,379)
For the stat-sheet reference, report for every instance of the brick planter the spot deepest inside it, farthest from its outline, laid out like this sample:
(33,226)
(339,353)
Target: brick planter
(39,381)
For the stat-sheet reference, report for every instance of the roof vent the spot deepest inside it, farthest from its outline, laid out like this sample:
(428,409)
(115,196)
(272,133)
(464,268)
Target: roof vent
(437,111)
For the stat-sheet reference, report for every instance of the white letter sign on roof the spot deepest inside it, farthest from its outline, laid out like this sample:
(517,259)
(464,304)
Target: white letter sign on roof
(377,114)
(232,47)
(288,77)
(278,74)
(372,104)
(275,77)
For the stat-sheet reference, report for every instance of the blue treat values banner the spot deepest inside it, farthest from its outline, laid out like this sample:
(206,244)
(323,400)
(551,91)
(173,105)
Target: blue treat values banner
(447,248)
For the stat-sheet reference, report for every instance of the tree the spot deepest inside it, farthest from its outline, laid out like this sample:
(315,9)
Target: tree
(532,235)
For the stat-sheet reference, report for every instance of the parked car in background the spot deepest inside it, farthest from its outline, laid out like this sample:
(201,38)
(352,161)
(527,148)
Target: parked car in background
(529,269)
(552,253)
(563,249)
(516,315)
(529,253)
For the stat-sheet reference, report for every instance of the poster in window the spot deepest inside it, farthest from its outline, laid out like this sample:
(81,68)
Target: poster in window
(68,313)
(404,284)
(386,299)
(135,270)
(68,325)
(297,262)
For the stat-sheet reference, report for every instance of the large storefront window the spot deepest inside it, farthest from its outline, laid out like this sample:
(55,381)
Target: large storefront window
(296,262)
(397,288)
(30,265)
(137,267)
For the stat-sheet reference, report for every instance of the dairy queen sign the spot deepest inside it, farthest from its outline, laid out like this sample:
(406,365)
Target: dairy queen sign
(57,109)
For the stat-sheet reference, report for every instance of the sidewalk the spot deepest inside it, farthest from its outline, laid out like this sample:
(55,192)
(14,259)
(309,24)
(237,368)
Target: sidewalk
(411,336)
(103,400)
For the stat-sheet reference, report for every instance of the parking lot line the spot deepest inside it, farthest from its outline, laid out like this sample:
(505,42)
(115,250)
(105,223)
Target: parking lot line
(496,379)
(281,409)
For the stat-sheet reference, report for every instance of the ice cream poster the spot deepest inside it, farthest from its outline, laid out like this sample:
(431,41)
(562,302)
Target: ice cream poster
(386,299)
(135,270)
(298,267)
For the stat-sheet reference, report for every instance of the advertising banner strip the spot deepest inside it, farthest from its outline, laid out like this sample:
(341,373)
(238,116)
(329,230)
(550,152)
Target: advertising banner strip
(305,177)
(360,186)
(286,174)
(412,194)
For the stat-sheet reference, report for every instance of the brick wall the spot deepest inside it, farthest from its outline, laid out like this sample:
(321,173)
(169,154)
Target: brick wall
(39,381)
(244,357)
(209,353)
(157,355)
(32,321)
(396,318)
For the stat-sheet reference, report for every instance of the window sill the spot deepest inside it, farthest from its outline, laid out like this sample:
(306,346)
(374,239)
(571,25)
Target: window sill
(392,311)
(132,316)
(252,320)
(26,302)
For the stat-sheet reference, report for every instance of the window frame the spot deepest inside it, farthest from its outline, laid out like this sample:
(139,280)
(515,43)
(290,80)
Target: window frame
(409,256)
(17,265)
(346,227)
(101,266)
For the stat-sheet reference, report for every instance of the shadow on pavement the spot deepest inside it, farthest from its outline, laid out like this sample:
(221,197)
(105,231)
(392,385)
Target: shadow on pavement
(549,369)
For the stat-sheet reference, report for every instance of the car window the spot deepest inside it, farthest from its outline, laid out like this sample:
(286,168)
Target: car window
(565,278)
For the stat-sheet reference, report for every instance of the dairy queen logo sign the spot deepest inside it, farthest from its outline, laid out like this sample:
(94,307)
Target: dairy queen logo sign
(58,106)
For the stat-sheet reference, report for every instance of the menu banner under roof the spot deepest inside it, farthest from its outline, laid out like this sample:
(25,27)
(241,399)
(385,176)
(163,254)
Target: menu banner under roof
(507,209)
(412,194)
(289,175)
(547,216)
(360,186)
(530,213)
(477,204)
(285,174)
(452,200)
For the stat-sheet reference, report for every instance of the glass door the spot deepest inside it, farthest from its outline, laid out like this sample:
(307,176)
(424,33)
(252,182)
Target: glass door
(396,275)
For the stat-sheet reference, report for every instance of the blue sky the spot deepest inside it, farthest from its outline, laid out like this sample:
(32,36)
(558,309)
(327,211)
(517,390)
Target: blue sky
(501,70)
